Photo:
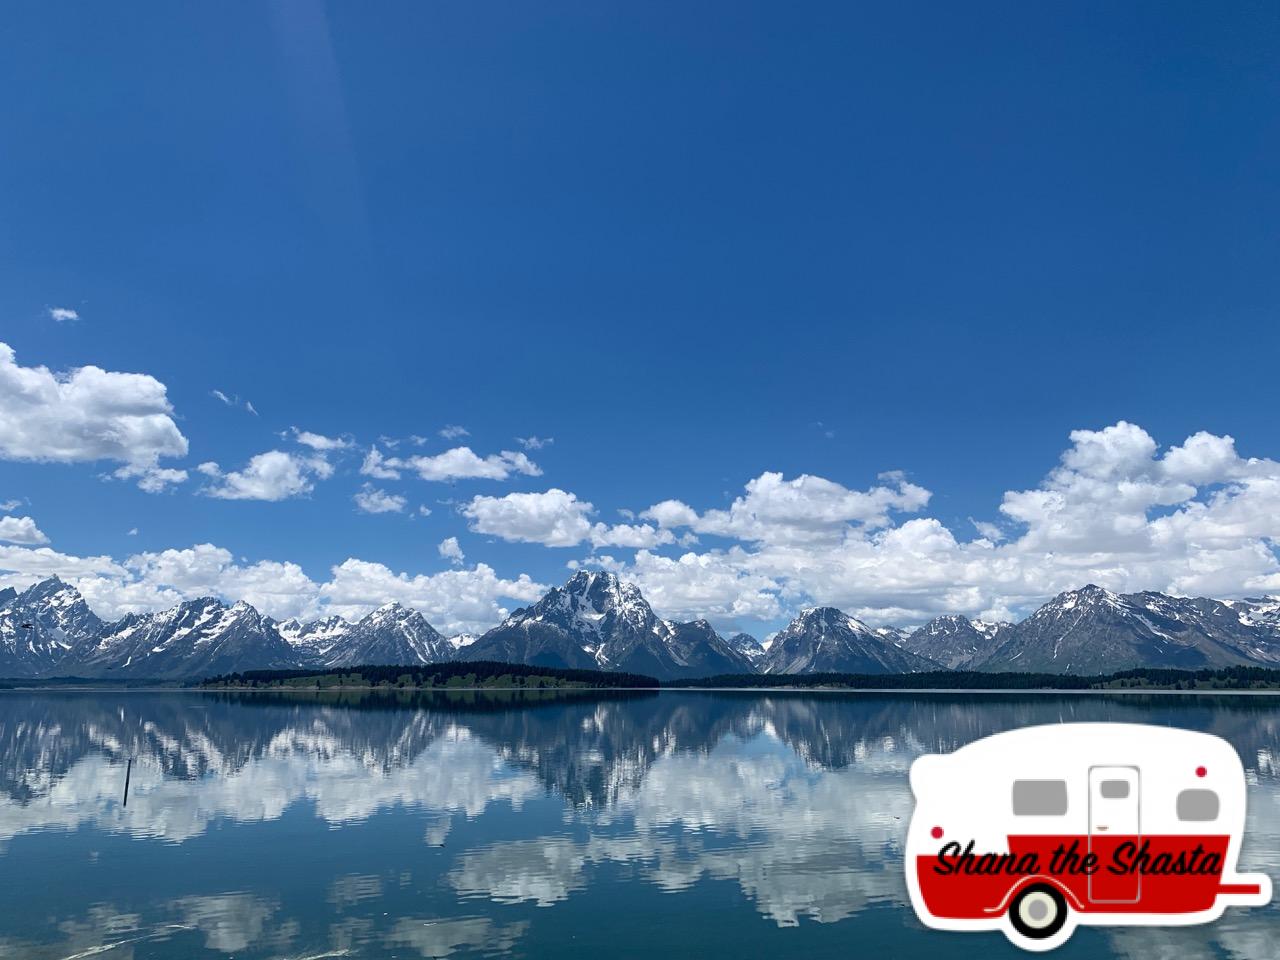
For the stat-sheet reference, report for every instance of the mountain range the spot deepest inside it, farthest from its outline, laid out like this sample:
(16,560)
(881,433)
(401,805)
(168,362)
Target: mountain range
(597,621)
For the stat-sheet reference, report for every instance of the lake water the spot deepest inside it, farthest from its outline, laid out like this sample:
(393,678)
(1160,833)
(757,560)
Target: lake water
(666,825)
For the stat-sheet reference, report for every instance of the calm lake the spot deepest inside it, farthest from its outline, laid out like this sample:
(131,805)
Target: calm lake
(678,824)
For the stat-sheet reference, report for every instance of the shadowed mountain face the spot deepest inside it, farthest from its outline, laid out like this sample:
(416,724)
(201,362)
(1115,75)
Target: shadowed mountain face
(1092,630)
(828,641)
(957,643)
(598,622)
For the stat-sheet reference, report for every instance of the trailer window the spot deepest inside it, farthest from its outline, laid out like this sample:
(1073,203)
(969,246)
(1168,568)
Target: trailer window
(1114,789)
(1197,805)
(1039,798)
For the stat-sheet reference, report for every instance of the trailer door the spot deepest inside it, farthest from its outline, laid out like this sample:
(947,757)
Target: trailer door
(1113,820)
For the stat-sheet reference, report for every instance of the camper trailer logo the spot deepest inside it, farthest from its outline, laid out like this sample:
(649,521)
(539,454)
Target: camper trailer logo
(1036,831)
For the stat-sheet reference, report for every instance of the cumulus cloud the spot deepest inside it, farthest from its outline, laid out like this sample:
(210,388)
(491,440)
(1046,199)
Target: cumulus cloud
(460,463)
(376,465)
(454,601)
(535,443)
(450,550)
(453,432)
(372,500)
(463,463)
(555,518)
(807,509)
(151,479)
(161,578)
(1195,519)
(319,442)
(274,475)
(12,504)
(21,530)
(61,314)
(85,415)
(20,566)
(459,600)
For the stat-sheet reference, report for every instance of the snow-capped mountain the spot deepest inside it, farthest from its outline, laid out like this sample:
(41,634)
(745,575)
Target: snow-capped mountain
(463,640)
(49,630)
(704,653)
(196,638)
(43,627)
(315,640)
(1092,630)
(393,633)
(598,622)
(956,642)
(747,645)
(595,621)
(825,640)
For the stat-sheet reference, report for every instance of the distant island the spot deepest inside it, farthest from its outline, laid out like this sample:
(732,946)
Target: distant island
(479,674)
(496,675)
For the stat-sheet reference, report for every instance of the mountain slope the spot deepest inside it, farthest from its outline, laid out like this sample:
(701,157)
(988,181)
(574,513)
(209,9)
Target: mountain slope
(44,627)
(196,638)
(748,646)
(956,642)
(392,634)
(596,621)
(314,641)
(704,653)
(824,640)
(1092,630)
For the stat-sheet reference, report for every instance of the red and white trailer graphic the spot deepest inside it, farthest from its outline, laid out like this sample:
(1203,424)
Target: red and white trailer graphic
(1038,830)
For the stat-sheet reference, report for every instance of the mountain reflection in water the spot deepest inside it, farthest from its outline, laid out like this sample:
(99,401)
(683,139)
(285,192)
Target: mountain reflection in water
(444,824)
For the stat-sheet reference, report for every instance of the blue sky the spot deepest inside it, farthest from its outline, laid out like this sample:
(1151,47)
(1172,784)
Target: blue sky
(695,245)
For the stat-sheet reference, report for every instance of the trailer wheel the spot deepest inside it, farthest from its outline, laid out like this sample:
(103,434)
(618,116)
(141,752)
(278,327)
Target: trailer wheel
(1038,912)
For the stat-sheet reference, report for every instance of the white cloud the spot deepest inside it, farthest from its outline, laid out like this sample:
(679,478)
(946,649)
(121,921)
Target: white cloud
(63,313)
(372,500)
(450,550)
(460,463)
(10,505)
(807,509)
(535,443)
(454,432)
(233,400)
(453,601)
(554,518)
(717,586)
(150,478)
(85,415)
(990,531)
(1197,520)
(274,475)
(377,466)
(276,589)
(319,442)
(21,530)
(21,566)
